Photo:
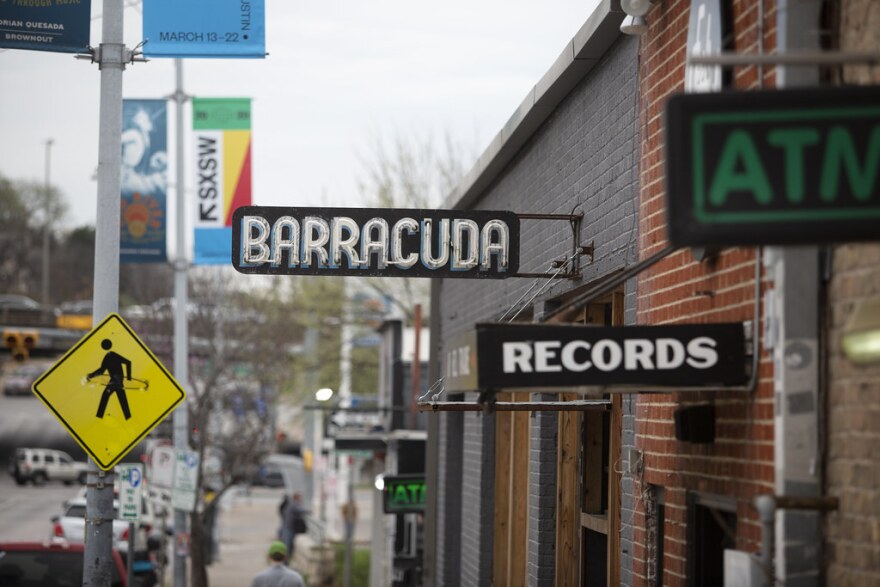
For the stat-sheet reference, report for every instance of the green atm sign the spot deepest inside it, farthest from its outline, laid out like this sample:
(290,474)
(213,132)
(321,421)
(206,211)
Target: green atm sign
(405,493)
(784,167)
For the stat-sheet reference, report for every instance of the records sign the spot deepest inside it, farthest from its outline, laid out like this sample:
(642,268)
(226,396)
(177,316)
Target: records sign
(373,242)
(537,356)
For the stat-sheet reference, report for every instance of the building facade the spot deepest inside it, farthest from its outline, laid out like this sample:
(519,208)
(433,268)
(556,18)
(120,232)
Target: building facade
(513,506)
(769,480)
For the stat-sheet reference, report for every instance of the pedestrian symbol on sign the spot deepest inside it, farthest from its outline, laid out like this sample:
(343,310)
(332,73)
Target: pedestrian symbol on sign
(113,364)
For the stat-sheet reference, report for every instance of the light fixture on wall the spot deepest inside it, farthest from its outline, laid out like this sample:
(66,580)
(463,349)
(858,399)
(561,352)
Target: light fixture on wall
(323,394)
(861,335)
(635,23)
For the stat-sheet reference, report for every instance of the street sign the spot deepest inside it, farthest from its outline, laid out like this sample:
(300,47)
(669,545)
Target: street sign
(109,391)
(782,167)
(546,356)
(186,477)
(131,488)
(162,467)
(404,494)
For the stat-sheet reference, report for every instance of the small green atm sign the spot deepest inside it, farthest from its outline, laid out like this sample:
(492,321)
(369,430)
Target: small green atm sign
(784,167)
(404,494)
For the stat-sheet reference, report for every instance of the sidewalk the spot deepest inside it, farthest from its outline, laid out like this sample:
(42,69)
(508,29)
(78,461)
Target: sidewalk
(247,525)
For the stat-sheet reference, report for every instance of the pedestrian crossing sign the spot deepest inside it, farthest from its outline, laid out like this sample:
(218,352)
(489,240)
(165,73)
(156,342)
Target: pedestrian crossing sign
(109,391)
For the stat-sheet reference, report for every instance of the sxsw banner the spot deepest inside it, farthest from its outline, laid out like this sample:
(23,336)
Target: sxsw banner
(144,181)
(205,28)
(223,173)
(62,27)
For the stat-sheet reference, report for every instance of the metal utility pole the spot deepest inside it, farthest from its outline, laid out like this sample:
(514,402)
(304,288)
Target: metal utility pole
(345,398)
(181,350)
(48,227)
(416,370)
(111,57)
(348,523)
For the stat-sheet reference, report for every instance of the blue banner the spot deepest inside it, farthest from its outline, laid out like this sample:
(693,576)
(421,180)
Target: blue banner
(45,25)
(144,181)
(204,28)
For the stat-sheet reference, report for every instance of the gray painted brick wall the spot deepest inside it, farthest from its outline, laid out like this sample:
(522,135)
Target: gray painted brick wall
(449,503)
(583,159)
(541,550)
(477,510)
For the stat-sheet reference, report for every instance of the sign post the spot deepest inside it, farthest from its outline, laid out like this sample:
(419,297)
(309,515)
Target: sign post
(131,486)
(186,476)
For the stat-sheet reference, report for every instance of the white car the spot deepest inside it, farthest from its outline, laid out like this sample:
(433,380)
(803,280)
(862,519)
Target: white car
(70,526)
(39,465)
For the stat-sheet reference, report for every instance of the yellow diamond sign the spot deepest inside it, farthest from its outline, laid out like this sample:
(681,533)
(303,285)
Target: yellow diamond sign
(109,391)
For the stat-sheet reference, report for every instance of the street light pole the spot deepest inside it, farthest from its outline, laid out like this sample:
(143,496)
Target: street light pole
(47,228)
(112,56)
(181,343)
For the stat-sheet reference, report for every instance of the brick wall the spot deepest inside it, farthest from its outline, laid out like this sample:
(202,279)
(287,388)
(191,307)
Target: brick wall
(853,409)
(739,464)
(853,422)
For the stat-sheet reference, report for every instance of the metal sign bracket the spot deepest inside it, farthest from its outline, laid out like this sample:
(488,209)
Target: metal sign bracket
(577,250)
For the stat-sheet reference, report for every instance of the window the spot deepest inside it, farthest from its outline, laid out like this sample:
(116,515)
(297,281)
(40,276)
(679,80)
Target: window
(711,530)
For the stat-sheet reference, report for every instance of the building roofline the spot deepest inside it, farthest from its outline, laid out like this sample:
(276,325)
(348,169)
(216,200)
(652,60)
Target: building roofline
(578,58)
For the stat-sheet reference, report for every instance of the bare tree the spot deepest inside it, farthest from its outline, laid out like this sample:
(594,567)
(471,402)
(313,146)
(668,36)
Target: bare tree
(25,209)
(410,172)
(242,344)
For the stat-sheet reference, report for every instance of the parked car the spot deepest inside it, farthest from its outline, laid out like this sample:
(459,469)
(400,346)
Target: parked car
(270,475)
(33,563)
(18,302)
(40,465)
(148,539)
(19,380)
(70,526)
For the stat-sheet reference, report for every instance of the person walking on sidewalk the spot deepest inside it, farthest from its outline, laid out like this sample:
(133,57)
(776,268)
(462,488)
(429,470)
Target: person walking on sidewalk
(294,523)
(278,574)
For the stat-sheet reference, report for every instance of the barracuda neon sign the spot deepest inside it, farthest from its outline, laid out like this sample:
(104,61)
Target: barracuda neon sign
(375,242)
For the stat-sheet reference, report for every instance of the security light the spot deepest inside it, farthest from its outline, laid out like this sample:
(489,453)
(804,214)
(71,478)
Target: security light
(861,335)
(323,394)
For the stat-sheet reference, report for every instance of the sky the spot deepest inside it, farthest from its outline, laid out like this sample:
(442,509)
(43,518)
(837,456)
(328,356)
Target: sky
(339,76)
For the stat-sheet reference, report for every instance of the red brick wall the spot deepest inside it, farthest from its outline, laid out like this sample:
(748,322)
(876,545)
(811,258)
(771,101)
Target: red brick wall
(739,464)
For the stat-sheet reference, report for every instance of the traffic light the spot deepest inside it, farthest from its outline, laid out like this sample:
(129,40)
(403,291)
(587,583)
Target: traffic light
(20,343)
